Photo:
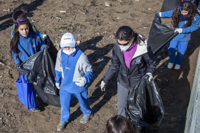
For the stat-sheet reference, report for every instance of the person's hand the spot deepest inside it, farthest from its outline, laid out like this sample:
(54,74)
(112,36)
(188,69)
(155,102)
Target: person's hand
(44,36)
(159,14)
(103,86)
(81,81)
(150,76)
(57,85)
(179,30)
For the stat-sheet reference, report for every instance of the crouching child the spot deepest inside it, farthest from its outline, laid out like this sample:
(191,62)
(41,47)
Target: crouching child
(73,73)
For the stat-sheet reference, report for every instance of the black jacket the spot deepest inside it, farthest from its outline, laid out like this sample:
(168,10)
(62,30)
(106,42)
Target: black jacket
(142,62)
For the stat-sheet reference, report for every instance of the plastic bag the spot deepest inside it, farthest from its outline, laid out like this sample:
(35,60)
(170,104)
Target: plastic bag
(39,69)
(26,92)
(52,50)
(160,36)
(170,5)
(145,107)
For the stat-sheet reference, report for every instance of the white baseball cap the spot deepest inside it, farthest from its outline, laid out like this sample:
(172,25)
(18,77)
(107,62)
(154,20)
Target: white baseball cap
(68,40)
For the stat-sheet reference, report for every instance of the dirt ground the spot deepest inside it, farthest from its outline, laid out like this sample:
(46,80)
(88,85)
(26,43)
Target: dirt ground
(94,25)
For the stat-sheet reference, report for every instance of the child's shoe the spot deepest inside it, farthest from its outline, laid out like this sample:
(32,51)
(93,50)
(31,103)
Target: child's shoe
(61,125)
(86,118)
(177,67)
(170,65)
(35,110)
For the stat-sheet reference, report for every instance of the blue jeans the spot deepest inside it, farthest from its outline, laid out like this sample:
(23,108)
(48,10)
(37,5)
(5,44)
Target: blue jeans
(182,46)
(65,99)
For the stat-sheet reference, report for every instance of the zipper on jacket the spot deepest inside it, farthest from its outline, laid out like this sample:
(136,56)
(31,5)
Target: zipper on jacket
(28,47)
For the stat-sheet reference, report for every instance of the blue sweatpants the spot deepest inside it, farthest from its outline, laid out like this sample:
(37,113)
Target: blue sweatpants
(181,46)
(65,99)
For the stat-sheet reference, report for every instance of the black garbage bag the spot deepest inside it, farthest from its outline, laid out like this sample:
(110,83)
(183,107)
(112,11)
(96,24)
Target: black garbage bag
(170,5)
(160,36)
(39,69)
(145,107)
(52,50)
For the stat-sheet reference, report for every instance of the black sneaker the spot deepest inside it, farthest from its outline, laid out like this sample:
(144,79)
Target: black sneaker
(35,110)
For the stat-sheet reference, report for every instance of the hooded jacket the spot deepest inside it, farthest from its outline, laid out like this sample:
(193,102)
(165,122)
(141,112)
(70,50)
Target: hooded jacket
(186,33)
(27,46)
(142,62)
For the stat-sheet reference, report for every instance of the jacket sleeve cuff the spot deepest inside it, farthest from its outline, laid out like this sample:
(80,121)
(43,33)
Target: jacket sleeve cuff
(88,76)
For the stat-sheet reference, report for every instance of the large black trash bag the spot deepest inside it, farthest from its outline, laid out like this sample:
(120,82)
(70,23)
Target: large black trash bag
(52,50)
(170,5)
(145,107)
(160,36)
(39,69)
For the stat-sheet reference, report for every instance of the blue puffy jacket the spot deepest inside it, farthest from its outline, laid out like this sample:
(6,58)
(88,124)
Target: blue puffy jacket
(186,33)
(27,46)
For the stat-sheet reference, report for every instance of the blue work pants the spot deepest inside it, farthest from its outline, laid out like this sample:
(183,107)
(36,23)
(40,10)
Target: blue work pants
(65,99)
(174,45)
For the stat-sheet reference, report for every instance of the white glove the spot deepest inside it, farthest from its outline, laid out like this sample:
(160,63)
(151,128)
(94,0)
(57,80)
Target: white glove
(103,86)
(57,85)
(81,81)
(179,30)
(159,14)
(44,36)
(150,76)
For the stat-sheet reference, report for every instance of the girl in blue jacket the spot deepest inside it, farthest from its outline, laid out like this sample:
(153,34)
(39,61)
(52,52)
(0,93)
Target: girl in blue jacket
(185,18)
(24,44)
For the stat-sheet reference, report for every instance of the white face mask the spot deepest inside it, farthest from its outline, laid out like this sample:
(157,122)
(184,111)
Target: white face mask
(124,48)
(69,52)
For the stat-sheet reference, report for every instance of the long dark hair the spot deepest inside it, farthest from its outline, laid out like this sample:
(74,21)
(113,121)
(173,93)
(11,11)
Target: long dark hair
(118,124)
(15,39)
(188,6)
(126,33)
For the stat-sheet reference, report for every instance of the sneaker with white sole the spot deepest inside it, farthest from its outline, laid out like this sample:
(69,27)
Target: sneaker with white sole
(170,65)
(86,118)
(35,110)
(177,67)
(61,125)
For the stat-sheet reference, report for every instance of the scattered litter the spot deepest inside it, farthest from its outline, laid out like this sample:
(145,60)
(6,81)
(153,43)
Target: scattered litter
(62,11)
(149,9)
(78,42)
(137,0)
(117,17)
(112,36)
(108,4)
(8,10)
(58,17)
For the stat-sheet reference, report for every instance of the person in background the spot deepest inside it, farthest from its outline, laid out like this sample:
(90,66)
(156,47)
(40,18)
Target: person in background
(185,18)
(22,14)
(132,59)
(24,44)
(118,124)
(73,75)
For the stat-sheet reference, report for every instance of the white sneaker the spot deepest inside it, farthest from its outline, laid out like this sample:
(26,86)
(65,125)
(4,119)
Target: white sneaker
(170,65)
(177,67)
